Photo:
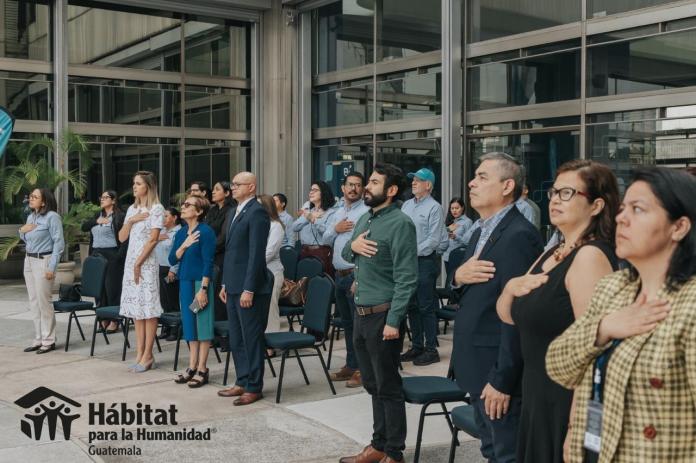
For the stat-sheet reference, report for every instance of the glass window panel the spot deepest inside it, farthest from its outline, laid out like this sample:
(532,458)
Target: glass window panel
(342,106)
(342,36)
(408,27)
(410,95)
(540,153)
(539,79)
(330,161)
(490,19)
(26,96)
(216,108)
(624,34)
(214,160)
(600,8)
(653,63)
(680,24)
(24,30)
(121,36)
(411,154)
(214,48)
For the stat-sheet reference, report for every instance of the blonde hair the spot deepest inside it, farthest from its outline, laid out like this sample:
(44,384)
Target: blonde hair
(150,181)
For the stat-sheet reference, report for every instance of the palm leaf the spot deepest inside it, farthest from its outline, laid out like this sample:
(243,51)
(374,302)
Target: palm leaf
(7,245)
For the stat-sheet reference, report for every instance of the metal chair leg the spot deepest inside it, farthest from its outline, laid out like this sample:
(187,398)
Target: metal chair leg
(280,375)
(270,365)
(159,348)
(419,437)
(217,354)
(79,327)
(227,368)
(94,336)
(326,371)
(331,343)
(178,344)
(125,338)
(67,336)
(453,445)
(304,373)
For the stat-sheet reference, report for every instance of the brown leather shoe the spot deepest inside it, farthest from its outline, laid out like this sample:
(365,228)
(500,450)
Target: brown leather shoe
(344,374)
(355,380)
(388,459)
(248,398)
(368,455)
(234,391)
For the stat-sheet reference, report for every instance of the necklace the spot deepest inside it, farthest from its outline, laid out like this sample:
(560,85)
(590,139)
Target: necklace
(558,253)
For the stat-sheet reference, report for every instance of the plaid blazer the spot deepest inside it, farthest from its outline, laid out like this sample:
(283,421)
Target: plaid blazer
(650,384)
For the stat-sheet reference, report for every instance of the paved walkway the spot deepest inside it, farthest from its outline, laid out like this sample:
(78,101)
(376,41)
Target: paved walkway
(309,425)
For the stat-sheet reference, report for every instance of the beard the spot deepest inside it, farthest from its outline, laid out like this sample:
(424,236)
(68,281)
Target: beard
(374,200)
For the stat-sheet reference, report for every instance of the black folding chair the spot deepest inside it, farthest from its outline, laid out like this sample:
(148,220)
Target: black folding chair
(308,267)
(463,420)
(289,257)
(112,314)
(447,312)
(93,274)
(316,322)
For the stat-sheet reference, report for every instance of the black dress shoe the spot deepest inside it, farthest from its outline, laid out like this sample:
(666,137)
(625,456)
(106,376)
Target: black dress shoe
(44,349)
(426,358)
(411,354)
(31,348)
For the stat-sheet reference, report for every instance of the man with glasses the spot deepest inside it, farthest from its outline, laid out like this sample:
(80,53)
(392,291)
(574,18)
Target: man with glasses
(486,354)
(199,188)
(246,290)
(338,232)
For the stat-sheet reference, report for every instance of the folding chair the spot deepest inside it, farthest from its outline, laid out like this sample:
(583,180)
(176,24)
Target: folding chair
(308,267)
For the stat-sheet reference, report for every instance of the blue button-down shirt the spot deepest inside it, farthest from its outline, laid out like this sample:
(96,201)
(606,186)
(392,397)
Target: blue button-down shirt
(164,246)
(339,240)
(312,233)
(487,226)
(46,237)
(461,236)
(287,221)
(427,216)
(528,212)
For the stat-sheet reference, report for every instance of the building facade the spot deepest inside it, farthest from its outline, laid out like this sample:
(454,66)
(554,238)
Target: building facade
(305,90)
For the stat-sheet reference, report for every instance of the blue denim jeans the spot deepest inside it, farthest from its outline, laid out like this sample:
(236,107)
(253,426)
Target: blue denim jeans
(421,314)
(345,307)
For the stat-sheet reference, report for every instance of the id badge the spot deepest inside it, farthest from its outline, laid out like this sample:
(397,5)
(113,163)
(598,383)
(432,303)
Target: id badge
(593,431)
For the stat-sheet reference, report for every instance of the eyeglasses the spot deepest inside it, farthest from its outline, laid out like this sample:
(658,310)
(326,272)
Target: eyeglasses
(32,196)
(237,185)
(353,186)
(105,197)
(314,190)
(565,193)
(187,204)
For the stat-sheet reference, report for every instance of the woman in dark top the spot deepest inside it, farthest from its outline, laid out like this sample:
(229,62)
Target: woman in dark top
(103,241)
(583,202)
(217,219)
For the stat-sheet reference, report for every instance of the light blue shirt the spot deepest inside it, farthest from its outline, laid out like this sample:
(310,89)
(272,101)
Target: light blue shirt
(312,233)
(339,240)
(163,248)
(461,236)
(528,212)
(427,216)
(103,235)
(487,226)
(46,237)
(287,221)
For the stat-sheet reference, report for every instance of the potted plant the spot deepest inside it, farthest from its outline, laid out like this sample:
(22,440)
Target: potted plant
(34,170)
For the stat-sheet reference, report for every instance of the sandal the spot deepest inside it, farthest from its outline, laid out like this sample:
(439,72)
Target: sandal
(194,383)
(186,377)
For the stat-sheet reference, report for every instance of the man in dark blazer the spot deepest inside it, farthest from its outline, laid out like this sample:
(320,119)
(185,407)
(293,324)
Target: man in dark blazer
(486,354)
(246,289)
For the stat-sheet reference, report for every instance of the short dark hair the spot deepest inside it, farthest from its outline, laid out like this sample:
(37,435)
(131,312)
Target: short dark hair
(450,218)
(283,199)
(354,173)
(394,176)
(49,201)
(114,196)
(600,182)
(675,191)
(327,196)
(201,185)
(175,212)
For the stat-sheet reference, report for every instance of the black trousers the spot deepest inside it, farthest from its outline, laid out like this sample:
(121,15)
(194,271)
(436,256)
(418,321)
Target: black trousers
(379,366)
(111,296)
(169,292)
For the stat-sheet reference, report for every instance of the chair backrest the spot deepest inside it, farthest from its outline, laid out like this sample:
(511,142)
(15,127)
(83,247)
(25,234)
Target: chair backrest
(93,276)
(289,257)
(317,309)
(309,267)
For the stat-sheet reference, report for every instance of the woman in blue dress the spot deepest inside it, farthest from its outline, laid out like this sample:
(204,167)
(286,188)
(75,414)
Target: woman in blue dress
(194,251)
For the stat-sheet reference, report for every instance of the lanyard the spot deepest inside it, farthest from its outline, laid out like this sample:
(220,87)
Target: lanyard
(600,371)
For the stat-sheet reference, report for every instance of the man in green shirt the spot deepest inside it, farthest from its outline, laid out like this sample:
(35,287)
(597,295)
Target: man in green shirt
(384,250)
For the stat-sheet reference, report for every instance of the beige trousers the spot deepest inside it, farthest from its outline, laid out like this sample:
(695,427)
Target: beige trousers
(39,289)
(273,325)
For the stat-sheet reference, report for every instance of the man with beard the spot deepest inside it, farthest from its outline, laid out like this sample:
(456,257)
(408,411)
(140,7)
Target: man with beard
(383,249)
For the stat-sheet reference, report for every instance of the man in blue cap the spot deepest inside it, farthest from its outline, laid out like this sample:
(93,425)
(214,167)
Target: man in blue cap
(427,216)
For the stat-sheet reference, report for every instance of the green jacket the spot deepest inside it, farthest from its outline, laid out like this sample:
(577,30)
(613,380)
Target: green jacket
(391,275)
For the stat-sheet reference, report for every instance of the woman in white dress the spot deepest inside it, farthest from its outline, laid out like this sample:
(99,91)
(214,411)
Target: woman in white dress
(140,297)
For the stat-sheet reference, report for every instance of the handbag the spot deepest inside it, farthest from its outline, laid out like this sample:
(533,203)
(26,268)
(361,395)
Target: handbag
(293,293)
(323,253)
(70,293)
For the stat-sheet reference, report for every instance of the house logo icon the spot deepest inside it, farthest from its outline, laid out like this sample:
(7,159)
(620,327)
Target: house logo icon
(46,407)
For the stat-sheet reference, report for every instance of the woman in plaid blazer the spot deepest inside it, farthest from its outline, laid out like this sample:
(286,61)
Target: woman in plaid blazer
(645,319)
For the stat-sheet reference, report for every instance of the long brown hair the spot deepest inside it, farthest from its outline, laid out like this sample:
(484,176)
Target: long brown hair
(600,182)
(268,203)
(150,181)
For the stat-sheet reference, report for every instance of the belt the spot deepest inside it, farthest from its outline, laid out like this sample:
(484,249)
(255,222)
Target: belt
(369,310)
(38,255)
(343,273)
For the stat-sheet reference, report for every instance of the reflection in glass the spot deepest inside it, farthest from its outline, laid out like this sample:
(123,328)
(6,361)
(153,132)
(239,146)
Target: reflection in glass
(216,49)
(26,96)
(408,27)
(540,153)
(214,160)
(342,36)
(409,95)
(490,19)
(330,158)
(600,8)
(216,108)
(344,105)
(538,79)
(24,29)
(653,63)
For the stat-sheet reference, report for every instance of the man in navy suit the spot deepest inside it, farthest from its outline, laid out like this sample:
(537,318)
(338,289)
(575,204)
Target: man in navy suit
(246,289)
(486,354)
